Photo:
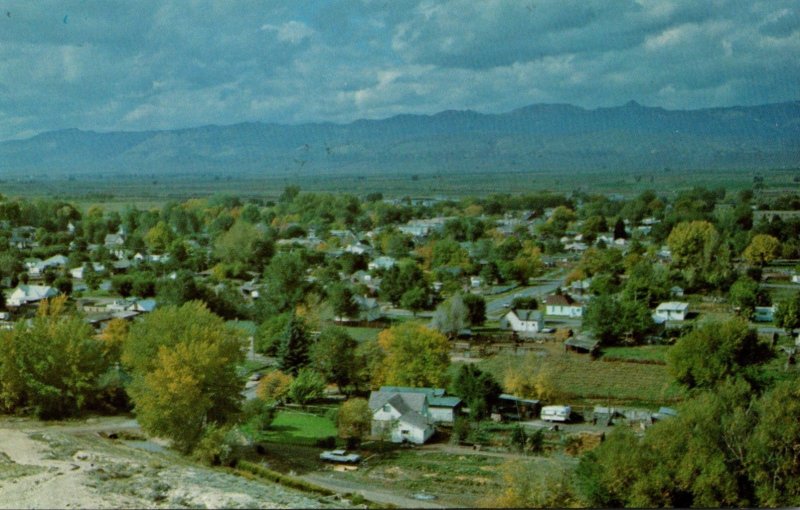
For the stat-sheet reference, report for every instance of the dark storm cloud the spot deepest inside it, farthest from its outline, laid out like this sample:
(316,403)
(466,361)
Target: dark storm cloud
(164,64)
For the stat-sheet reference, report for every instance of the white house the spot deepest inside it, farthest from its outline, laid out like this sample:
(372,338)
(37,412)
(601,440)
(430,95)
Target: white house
(442,409)
(671,311)
(796,278)
(381,263)
(525,323)
(28,294)
(401,416)
(562,305)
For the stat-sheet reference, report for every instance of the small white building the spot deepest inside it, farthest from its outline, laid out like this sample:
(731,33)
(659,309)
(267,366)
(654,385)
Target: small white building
(401,417)
(383,262)
(442,408)
(671,311)
(563,305)
(29,294)
(525,323)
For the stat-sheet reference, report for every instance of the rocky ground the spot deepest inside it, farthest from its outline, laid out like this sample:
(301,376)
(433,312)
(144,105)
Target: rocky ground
(89,464)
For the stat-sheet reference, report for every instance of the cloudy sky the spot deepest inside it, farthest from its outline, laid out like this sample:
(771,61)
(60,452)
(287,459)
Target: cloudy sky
(157,64)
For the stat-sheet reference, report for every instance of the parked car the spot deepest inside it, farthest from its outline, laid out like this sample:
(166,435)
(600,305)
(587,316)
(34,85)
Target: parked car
(340,456)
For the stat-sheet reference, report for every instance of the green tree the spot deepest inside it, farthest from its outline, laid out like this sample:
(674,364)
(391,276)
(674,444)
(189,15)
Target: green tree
(285,281)
(340,297)
(334,355)
(478,389)
(715,351)
(413,356)
(269,333)
(293,351)
(414,299)
(476,309)
(743,295)
(307,386)
(787,314)
(354,419)
(762,250)
(159,237)
(51,364)
(183,361)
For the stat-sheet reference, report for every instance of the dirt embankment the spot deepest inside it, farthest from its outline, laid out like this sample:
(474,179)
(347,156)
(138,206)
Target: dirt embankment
(74,465)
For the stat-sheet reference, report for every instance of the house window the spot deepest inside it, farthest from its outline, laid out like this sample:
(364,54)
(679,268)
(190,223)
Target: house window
(386,408)
(405,432)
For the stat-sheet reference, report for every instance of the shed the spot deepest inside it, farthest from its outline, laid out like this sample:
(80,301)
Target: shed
(581,344)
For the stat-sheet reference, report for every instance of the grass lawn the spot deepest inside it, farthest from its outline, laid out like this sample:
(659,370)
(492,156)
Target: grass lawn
(295,427)
(643,353)
(362,335)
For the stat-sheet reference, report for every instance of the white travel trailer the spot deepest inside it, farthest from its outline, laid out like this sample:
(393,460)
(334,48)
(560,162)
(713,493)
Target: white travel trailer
(556,413)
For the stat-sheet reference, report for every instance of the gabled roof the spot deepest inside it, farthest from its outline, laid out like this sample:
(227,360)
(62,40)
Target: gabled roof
(527,315)
(673,306)
(559,300)
(403,402)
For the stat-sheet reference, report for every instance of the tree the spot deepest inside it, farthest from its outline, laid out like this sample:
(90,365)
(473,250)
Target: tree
(354,419)
(307,386)
(619,229)
(772,448)
(340,297)
(274,386)
(476,309)
(787,314)
(743,295)
(285,280)
(762,250)
(334,355)
(293,350)
(159,237)
(527,485)
(695,248)
(414,356)
(618,321)
(269,333)
(715,351)
(51,364)
(183,361)
(478,389)
(414,299)
(450,317)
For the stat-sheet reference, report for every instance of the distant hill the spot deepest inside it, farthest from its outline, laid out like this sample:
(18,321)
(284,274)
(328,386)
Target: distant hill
(537,137)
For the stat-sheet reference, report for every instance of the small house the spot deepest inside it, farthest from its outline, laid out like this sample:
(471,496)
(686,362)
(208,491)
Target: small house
(671,311)
(563,305)
(401,416)
(381,263)
(442,408)
(30,294)
(524,323)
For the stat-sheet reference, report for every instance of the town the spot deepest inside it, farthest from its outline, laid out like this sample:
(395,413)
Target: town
(453,349)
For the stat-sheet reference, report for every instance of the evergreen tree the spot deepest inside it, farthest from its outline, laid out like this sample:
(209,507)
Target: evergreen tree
(293,352)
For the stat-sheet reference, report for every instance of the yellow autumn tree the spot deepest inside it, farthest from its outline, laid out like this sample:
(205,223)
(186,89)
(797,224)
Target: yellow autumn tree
(415,356)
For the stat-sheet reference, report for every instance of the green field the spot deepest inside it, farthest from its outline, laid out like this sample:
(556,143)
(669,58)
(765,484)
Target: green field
(577,378)
(363,334)
(115,191)
(642,354)
(298,428)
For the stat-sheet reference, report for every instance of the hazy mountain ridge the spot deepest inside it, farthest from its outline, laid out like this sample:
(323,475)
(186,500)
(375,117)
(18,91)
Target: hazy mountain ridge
(542,136)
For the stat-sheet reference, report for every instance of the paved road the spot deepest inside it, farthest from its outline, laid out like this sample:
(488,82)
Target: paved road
(497,307)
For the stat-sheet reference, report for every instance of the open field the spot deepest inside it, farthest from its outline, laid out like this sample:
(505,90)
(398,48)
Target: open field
(576,377)
(641,354)
(151,190)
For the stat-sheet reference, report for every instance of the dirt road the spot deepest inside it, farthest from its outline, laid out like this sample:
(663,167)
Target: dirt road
(70,465)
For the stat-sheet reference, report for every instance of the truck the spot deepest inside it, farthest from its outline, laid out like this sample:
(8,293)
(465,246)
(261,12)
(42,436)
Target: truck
(556,413)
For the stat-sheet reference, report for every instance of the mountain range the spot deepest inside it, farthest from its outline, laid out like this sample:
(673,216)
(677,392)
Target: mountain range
(548,137)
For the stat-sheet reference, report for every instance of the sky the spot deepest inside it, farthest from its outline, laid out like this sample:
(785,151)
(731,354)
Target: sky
(164,64)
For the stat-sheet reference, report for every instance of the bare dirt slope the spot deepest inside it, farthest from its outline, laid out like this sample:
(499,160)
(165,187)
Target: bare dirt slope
(74,465)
